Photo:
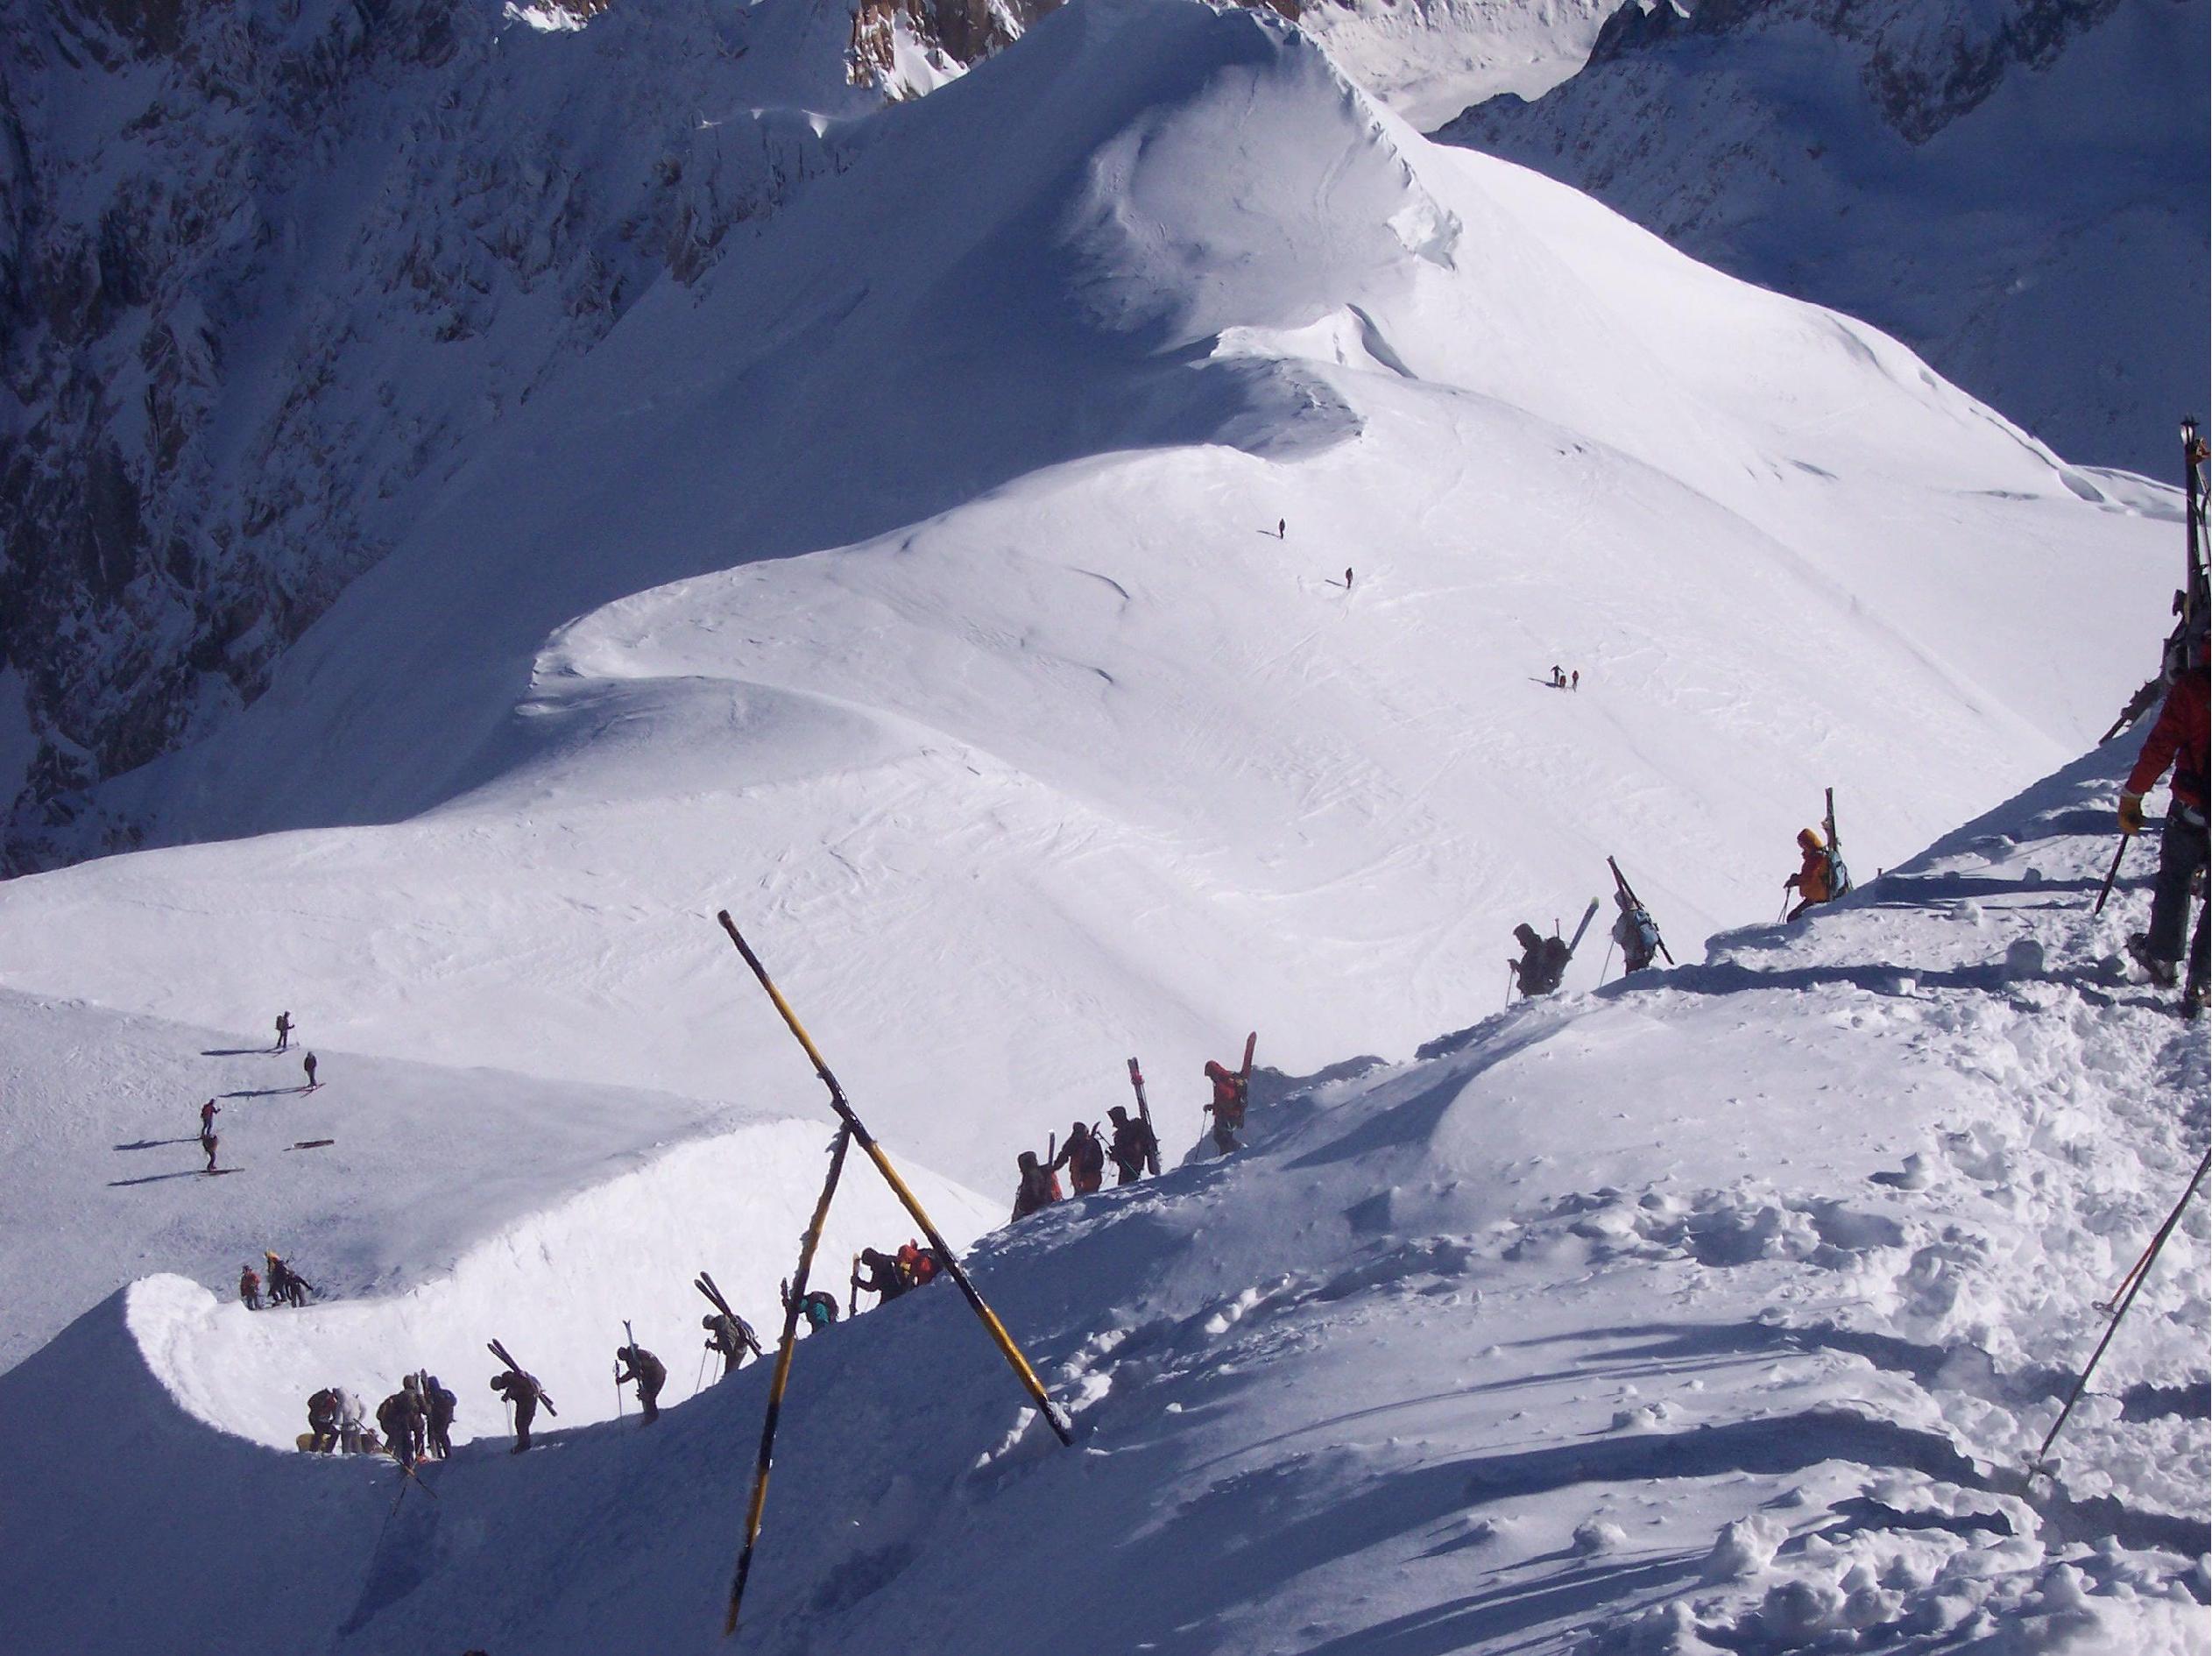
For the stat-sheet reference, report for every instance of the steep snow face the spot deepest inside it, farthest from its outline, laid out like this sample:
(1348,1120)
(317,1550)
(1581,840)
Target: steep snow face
(266,274)
(1715,1311)
(911,585)
(1430,60)
(2019,190)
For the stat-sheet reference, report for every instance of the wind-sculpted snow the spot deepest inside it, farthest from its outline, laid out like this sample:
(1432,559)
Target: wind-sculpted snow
(1714,1311)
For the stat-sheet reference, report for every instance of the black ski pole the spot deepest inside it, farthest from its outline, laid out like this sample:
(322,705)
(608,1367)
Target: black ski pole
(1054,1416)
(2141,1274)
(793,1297)
(2110,874)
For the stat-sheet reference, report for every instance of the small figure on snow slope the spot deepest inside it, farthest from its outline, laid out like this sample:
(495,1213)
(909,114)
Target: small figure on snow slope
(1814,881)
(2178,740)
(1230,1096)
(1038,1187)
(249,1288)
(732,1337)
(650,1374)
(1543,962)
(523,1391)
(1636,933)
(283,1031)
(878,1273)
(1084,1158)
(1133,1145)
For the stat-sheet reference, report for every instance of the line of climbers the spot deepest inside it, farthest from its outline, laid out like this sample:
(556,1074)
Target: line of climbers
(414,1422)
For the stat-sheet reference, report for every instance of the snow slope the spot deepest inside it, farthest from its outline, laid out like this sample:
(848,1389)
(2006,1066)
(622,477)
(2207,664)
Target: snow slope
(1714,1311)
(454,1204)
(909,585)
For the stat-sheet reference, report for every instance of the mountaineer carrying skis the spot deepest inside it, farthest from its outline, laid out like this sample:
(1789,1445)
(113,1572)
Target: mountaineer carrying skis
(650,1374)
(883,1277)
(1543,962)
(818,1306)
(1635,932)
(1811,881)
(1228,1105)
(1038,1189)
(1084,1158)
(1132,1144)
(283,1031)
(732,1336)
(523,1391)
(2178,739)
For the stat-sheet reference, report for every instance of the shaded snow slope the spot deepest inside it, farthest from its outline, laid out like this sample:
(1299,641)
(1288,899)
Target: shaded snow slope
(455,1203)
(909,585)
(1713,1311)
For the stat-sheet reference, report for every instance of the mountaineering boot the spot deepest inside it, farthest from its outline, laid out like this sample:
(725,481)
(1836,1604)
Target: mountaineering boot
(2161,971)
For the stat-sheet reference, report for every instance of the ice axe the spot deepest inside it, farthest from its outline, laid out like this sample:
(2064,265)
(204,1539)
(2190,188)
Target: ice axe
(2110,874)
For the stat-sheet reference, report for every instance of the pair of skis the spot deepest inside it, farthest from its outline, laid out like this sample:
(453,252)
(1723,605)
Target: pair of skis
(1144,1114)
(506,1357)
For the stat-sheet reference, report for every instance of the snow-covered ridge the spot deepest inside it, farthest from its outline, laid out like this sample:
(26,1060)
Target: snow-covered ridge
(985,651)
(559,1285)
(1713,1311)
(2017,189)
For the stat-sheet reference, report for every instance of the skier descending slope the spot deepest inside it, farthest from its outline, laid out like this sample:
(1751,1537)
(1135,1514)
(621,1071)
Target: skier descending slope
(2177,739)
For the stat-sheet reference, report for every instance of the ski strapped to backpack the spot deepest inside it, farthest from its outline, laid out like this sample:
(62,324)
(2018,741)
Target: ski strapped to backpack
(1144,1114)
(501,1352)
(1635,905)
(1839,875)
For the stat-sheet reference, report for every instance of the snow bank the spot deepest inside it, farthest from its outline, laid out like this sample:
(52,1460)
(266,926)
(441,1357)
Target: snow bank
(557,1288)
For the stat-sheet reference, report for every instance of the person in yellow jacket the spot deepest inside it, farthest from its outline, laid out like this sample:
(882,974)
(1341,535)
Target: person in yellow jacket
(1811,881)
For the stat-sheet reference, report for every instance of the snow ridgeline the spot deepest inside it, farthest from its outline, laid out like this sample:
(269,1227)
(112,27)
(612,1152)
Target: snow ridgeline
(1014,728)
(557,1288)
(1715,1311)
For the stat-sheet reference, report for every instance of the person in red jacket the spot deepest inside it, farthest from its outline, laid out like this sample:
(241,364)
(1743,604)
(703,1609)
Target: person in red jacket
(1228,1105)
(2178,739)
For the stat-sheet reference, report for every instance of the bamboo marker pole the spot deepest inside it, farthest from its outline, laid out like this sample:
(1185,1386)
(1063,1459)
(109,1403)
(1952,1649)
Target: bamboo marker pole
(1054,1416)
(767,1459)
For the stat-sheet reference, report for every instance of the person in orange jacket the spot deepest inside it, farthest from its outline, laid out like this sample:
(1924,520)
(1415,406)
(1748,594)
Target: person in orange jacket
(1811,881)
(2178,740)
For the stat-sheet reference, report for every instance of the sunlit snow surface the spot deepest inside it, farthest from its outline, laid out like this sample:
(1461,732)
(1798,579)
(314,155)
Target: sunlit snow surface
(912,588)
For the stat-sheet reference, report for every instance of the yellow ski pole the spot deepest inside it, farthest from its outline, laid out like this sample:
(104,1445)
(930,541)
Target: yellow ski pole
(1054,1416)
(782,1374)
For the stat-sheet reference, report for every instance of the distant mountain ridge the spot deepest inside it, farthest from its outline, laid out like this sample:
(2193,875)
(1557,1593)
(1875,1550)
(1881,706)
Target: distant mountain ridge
(2019,190)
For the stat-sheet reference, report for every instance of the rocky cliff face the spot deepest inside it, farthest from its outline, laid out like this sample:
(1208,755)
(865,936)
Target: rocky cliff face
(2017,187)
(266,269)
